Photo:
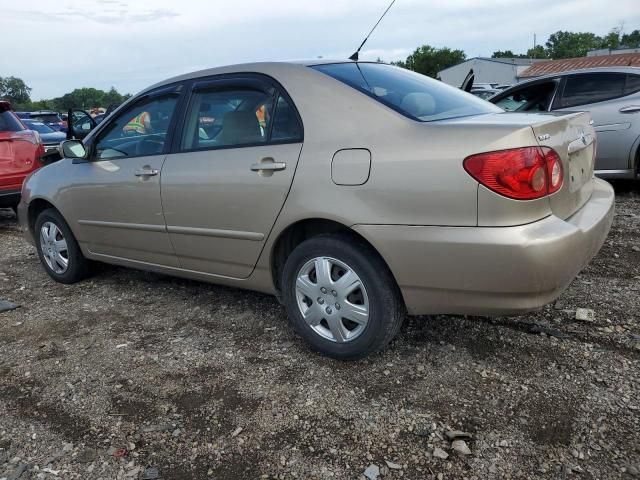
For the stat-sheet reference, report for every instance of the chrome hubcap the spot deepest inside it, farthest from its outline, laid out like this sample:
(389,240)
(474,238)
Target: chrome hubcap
(54,248)
(332,299)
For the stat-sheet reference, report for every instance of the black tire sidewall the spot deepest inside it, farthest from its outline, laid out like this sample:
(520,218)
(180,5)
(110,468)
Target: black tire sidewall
(77,268)
(385,311)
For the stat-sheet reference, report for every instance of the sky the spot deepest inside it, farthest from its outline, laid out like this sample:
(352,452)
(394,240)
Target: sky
(56,46)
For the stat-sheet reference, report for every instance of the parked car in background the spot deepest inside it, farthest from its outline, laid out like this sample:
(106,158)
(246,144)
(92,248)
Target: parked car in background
(22,115)
(388,211)
(50,118)
(485,94)
(20,152)
(610,95)
(50,138)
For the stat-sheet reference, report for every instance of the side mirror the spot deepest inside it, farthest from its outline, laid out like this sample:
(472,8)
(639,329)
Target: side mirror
(72,149)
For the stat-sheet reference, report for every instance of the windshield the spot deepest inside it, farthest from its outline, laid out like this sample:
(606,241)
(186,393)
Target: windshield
(38,126)
(414,95)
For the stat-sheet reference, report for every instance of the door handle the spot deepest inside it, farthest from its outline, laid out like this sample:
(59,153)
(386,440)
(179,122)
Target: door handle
(630,109)
(268,164)
(146,172)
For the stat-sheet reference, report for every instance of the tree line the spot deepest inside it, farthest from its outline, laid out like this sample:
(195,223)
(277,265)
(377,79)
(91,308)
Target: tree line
(429,60)
(18,93)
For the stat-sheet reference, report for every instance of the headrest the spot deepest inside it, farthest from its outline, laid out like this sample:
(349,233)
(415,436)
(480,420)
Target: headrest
(419,104)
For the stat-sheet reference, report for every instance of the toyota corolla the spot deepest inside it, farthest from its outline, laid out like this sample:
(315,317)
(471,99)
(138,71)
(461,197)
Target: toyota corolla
(356,192)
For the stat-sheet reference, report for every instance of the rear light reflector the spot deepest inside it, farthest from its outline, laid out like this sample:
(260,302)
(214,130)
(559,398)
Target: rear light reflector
(523,173)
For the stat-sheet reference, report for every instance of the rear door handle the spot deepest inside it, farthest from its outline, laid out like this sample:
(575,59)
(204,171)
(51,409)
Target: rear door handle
(630,109)
(146,172)
(268,164)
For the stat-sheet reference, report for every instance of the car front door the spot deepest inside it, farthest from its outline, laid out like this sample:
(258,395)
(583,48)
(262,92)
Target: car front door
(605,97)
(116,193)
(227,181)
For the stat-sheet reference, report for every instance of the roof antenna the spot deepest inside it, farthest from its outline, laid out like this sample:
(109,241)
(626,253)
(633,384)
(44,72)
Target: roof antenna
(354,57)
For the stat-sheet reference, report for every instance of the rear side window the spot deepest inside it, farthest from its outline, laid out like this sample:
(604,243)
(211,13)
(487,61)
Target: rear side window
(414,95)
(227,118)
(588,88)
(9,123)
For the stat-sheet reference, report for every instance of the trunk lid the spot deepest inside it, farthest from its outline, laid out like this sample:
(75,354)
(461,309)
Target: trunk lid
(573,138)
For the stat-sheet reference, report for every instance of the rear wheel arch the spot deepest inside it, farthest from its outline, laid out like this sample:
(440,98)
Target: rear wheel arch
(298,232)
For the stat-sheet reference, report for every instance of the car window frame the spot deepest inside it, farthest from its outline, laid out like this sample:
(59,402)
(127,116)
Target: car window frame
(565,80)
(177,88)
(227,81)
(510,91)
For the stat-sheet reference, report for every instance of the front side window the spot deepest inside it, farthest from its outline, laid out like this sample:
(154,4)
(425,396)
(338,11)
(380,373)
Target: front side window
(532,98)
(228,118)
(582,89)
(139,131)
(414,95)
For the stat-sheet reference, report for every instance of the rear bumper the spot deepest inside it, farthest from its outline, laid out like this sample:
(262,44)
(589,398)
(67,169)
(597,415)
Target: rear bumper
(493,270)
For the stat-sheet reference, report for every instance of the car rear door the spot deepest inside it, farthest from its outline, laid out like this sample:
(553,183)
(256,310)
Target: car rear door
(230,173)
(604,96)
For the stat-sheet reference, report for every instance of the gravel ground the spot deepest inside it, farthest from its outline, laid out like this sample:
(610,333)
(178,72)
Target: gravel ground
(138,375)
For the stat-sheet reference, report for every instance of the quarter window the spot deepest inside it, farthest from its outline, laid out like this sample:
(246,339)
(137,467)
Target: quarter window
(582,89)
(633,84)
(285,122)
(140,131)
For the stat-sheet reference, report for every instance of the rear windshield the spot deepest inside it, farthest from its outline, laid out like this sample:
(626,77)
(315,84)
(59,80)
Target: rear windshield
(9,123)
(414,95)
(38,126)
(46,117)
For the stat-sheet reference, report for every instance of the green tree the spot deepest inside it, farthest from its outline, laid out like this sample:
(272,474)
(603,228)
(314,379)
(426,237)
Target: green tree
(15,90)
(631,40)
(537,52)
(429,60)
(569,44)
(506,54)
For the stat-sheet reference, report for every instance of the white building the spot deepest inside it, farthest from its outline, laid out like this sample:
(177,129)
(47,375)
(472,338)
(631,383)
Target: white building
(504,71)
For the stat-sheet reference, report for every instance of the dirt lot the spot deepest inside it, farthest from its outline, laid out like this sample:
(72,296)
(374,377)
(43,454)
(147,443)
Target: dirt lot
(131,370)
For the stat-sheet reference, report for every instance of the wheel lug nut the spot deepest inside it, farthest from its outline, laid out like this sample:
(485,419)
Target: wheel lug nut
(337,306)
(320,300)
(334,293)
(329,311)
(323,290)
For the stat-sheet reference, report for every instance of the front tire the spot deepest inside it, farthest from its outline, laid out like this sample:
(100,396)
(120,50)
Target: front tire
(58,249)
(341,297)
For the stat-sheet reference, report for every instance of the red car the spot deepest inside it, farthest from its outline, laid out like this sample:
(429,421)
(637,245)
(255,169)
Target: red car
(20,152)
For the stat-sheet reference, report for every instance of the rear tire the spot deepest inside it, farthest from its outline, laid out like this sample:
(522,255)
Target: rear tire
(341,297)
(58,249)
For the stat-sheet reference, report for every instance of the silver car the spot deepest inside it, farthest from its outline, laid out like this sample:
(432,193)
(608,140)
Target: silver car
(610,95)
(356,192)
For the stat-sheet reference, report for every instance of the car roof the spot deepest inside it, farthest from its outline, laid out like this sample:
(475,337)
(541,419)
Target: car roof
(635,70)
(256,67)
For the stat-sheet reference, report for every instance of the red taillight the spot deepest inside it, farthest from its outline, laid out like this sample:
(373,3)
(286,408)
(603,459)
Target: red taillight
(520,173)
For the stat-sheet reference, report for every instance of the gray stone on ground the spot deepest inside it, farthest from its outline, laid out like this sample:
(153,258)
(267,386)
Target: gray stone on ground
(460,446)
(439,453)
(585,314)
(372,472)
